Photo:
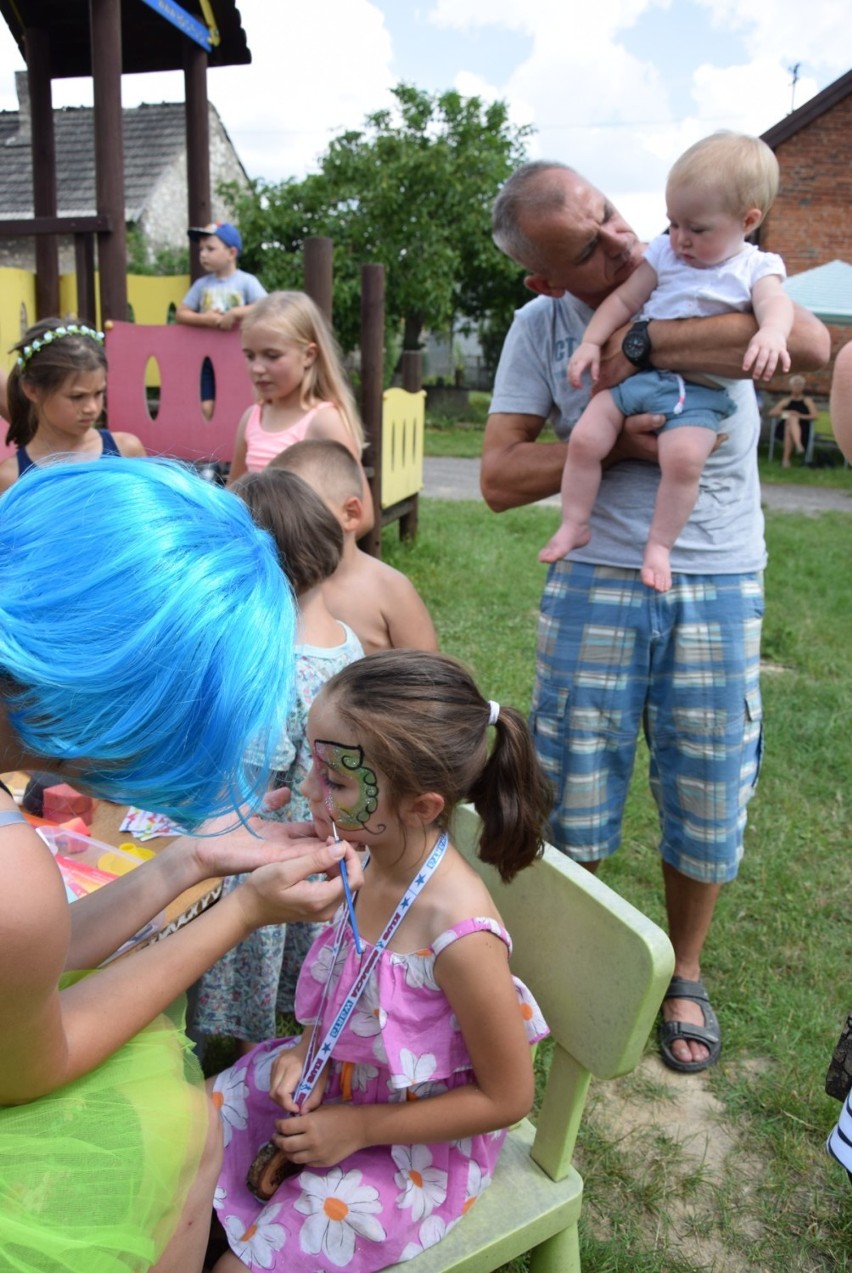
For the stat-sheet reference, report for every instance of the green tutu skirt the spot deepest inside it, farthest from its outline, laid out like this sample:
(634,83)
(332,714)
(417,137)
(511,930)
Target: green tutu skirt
(94,1176)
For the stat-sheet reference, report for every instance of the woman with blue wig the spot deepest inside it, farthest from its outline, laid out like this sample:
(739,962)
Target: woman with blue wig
(146,636)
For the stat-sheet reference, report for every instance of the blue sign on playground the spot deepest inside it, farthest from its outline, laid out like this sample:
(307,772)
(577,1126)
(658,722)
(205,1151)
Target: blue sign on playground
(184,21)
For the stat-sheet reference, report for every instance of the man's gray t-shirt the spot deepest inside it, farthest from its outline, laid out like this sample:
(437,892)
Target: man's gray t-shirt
(724,534)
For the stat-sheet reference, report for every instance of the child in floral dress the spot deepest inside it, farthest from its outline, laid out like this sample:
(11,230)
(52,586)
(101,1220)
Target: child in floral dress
(241,994)
(393,1139)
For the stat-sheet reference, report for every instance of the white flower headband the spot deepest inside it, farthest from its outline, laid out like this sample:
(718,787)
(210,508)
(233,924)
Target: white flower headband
(56,333)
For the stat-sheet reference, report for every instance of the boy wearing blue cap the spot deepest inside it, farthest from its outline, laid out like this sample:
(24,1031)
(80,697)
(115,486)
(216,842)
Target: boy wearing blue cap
(223,294)
(221,297)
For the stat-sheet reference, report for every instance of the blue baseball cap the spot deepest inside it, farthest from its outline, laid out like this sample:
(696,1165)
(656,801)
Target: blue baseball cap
(229,234)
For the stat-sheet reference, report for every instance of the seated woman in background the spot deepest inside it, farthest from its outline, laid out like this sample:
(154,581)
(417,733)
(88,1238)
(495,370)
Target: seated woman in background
(146,635)
(797,412)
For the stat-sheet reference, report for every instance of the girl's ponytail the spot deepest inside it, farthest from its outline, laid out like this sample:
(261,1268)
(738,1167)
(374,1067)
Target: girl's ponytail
(512,797)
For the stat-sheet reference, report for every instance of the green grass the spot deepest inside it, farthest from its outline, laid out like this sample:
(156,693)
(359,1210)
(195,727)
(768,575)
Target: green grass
(777,958)
(462,439)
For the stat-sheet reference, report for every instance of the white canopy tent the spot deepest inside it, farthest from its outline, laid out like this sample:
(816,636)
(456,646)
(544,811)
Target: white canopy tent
(826,291)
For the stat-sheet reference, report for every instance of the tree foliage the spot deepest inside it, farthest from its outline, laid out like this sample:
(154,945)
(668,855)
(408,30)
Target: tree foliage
(412,190)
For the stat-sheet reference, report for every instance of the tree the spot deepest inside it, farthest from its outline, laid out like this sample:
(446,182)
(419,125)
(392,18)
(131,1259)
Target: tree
(413,191)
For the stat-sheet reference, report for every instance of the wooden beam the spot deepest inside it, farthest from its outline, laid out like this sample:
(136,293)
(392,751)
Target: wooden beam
(37,45)
(199,205)
(319,272)
(372,386)
(105,25)
(38,226)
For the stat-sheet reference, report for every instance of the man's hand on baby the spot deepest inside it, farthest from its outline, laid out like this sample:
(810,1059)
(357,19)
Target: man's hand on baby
(767,350)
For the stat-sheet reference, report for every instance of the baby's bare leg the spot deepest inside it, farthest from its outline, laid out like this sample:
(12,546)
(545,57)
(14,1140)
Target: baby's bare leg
(592,438)
(682,453)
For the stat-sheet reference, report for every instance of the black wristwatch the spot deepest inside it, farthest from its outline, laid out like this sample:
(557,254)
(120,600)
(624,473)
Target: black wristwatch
(636,345)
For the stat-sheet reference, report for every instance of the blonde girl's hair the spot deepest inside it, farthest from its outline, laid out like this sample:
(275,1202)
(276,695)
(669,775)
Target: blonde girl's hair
(298,319)
(741,170)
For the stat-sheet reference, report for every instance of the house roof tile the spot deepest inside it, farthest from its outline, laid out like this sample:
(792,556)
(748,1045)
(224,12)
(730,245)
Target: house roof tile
(154,135)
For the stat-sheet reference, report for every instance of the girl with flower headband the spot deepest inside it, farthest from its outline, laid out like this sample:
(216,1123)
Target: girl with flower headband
(56,397)
(381,1124)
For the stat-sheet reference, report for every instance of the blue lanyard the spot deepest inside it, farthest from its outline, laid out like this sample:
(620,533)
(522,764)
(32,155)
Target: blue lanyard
(318,1056)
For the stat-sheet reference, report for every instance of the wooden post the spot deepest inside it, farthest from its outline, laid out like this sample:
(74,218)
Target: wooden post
(412,370)
(200,209)
(105,24)
(319,273)
(84,260)
(37,44)
(372,386)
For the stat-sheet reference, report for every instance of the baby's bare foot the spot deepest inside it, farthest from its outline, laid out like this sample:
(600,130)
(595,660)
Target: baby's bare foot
(656,568)
(570,535)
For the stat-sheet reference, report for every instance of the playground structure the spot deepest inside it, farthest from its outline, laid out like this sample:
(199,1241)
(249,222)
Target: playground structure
(154,377)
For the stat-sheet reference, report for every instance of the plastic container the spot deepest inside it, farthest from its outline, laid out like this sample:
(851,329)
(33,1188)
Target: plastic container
(87,865)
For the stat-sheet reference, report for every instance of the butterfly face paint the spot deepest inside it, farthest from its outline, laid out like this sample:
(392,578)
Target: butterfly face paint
(351,813)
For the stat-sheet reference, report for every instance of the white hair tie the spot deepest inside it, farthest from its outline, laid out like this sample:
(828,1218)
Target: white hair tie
(493,712)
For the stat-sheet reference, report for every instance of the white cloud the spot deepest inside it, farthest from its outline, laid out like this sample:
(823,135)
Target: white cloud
(600,98)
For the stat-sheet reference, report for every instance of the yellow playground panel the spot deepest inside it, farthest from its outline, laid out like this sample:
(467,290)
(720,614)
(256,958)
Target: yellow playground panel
(152,300)
(403,423)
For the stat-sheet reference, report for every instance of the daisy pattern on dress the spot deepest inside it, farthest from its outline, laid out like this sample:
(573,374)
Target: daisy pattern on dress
(363,1076)
(432,1231)
(338,1208)
(369,1017)
(325,966)
(262,1065)
(422,1186)
(420,970)
(534,1022)
(256,1246)
(229,1096)
(477,1182)
(415,1069)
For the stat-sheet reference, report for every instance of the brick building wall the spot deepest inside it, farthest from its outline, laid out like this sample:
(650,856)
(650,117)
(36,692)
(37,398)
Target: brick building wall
(810,222)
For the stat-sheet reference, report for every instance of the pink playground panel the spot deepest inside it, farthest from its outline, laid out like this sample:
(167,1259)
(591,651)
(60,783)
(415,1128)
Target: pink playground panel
(179,428)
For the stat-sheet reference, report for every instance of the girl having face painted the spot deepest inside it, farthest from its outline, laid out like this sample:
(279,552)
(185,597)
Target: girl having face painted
(383,1122)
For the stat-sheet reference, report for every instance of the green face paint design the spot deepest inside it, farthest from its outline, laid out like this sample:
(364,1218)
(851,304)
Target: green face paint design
(344,758)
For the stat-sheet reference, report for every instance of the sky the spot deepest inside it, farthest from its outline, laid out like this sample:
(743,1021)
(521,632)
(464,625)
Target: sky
(617,92)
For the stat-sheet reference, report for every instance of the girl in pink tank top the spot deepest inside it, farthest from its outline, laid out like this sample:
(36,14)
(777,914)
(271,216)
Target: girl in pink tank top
(298,377)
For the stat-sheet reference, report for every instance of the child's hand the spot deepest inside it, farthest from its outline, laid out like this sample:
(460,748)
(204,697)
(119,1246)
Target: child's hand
(322,1138)
(585,357)
(285,1075)
(768,348)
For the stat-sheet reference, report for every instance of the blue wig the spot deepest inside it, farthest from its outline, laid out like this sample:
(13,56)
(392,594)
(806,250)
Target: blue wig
(146,633)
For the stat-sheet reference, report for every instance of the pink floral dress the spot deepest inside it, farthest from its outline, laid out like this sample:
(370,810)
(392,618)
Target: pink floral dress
(387,1203)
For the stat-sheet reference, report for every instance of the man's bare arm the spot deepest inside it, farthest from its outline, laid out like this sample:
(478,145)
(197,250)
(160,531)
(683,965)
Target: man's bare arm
(714,345)
(517,469)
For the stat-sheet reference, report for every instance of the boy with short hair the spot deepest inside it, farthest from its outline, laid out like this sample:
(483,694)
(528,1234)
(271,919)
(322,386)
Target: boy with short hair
(378,602)
(222,296)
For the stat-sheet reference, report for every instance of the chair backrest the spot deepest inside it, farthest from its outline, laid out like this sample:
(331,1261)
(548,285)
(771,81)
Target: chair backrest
(598,968)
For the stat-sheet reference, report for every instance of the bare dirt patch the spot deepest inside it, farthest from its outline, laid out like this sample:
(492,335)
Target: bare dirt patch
(685,1173)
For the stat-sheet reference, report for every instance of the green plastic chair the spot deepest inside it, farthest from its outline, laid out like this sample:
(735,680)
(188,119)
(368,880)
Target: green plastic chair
(599,969)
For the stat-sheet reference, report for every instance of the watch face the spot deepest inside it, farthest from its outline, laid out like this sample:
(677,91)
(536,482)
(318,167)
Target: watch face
(637,345)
